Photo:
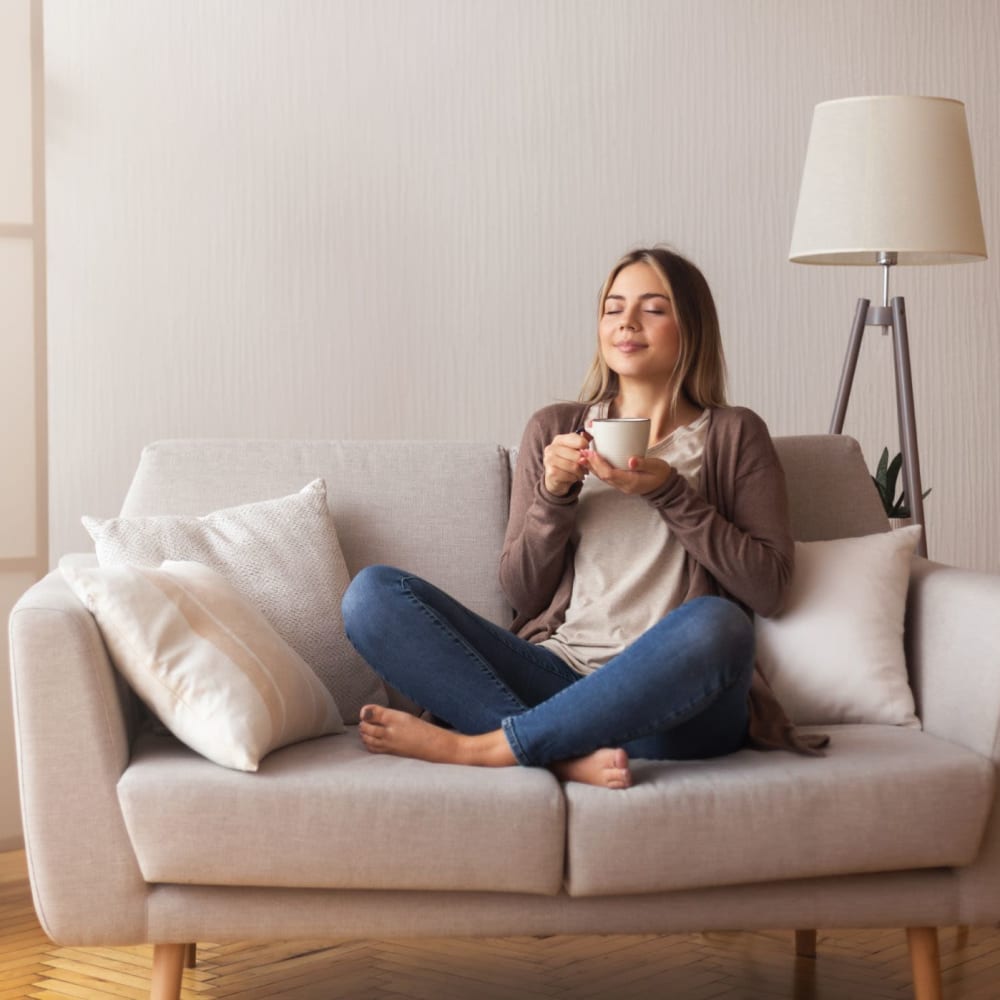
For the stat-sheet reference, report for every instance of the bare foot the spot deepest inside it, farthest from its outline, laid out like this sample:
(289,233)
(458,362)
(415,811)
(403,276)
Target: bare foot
(387,730)
(606,768)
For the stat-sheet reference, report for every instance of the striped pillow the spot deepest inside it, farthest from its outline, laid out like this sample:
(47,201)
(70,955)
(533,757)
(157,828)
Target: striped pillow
(205,661)
(282,554)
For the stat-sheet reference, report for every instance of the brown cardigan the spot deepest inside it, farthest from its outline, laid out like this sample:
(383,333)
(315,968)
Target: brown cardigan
(735,530)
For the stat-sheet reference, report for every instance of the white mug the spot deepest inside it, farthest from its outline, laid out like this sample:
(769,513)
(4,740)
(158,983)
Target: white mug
(617,439)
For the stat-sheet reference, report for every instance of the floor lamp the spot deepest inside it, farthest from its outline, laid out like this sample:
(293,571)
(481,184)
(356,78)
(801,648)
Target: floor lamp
(887,181)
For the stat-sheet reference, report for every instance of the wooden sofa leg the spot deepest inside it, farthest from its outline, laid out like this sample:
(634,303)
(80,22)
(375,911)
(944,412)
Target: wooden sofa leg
(191,958)
(168,971)
(925,960)
(805,944)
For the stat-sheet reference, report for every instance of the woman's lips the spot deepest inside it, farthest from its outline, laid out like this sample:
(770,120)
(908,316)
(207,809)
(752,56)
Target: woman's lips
(629,347)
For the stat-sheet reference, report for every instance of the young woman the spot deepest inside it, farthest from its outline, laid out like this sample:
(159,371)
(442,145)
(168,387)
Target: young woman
(632,588)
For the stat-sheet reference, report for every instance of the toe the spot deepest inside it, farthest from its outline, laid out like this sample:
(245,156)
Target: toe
(372,743)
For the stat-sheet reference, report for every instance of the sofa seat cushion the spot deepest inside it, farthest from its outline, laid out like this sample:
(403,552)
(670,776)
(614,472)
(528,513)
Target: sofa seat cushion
(328,814)
(883,798)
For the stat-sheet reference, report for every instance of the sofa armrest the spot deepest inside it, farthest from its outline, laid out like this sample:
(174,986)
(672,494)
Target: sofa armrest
(953,653)
(953,649)
(72,735)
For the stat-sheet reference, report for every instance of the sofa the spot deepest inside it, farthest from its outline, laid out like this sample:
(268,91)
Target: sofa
(133,837)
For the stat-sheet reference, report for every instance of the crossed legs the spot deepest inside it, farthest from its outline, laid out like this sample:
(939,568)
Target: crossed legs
(678,691)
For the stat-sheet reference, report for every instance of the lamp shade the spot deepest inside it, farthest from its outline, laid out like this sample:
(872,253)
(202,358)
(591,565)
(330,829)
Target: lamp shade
(888,174)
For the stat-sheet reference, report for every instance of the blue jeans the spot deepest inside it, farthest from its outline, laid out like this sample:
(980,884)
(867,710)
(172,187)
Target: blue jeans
(678,692)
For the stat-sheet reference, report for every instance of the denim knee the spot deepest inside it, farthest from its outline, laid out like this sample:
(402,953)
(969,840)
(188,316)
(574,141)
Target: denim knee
(725,628)
(364,594)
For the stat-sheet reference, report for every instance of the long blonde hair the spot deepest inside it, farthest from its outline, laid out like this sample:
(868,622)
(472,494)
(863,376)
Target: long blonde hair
(700,372)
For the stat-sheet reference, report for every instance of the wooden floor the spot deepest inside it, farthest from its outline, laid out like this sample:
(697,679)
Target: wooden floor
(856,965)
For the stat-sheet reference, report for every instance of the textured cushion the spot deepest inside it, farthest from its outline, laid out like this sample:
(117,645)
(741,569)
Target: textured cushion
(328,814)
(835,654)
(205,661)
(284,556)
(884,798)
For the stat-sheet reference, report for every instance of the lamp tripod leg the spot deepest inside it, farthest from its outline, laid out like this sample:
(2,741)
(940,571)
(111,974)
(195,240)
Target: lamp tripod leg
(850,364)
(907,421)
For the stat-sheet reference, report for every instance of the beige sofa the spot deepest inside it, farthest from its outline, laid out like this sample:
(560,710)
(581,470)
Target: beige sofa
(131,837)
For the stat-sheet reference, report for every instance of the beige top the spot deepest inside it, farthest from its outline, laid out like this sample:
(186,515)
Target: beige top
(734,528)
(629,569)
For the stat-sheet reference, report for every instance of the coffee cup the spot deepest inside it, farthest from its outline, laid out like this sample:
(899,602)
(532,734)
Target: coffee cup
(617,439)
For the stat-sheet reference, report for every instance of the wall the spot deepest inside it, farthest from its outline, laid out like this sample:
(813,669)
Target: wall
(23,509)
(390,218)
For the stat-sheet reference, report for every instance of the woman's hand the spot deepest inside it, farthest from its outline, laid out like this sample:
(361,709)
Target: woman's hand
(643,475)
(564,462)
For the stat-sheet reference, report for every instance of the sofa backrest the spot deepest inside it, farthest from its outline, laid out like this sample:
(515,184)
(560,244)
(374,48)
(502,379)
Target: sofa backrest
(439,509)
(830,491)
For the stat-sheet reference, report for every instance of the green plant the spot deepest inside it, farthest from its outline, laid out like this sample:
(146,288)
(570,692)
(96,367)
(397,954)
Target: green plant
(885,479)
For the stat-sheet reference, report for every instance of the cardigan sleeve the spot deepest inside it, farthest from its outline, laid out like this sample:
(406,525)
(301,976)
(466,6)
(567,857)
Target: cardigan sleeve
(538,542)
(737,525)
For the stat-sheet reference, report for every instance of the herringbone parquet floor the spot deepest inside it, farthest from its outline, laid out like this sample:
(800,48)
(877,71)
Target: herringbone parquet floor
(859,965)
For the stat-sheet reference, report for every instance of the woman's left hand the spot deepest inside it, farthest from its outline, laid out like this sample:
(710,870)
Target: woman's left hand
(644,475)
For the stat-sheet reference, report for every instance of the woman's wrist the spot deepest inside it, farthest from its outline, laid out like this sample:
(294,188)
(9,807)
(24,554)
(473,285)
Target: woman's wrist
(572,492)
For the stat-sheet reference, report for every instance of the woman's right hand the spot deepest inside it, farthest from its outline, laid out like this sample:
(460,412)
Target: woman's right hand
(564,463)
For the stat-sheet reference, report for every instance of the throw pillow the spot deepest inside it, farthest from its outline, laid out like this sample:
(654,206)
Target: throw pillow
(835,654)
(205,661)
(283,555)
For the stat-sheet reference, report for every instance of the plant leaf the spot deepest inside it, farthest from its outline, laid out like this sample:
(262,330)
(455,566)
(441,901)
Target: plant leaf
(886,480)
(880,470)
(892,476)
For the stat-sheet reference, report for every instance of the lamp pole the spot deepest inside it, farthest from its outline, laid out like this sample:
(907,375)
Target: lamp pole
(890,315)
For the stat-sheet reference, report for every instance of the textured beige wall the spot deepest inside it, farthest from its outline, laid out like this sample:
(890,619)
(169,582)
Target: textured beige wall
(390,219)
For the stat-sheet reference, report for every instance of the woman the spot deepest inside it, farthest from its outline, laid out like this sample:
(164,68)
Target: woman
(632,588)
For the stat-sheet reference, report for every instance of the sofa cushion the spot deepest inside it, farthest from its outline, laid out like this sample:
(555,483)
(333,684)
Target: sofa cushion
(883,798)
(205,660)
(283,554)
(835,653)
(328,814)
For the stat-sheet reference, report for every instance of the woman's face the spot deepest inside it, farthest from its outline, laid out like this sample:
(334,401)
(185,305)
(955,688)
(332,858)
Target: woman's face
(638,332)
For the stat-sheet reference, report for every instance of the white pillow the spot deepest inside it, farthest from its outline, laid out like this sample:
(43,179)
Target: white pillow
(282,555)
(835,654)
(205,661)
